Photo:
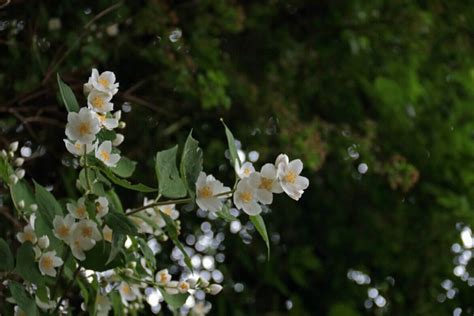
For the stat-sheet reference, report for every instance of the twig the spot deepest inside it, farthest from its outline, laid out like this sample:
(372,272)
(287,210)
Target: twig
(67,289)
(144,207)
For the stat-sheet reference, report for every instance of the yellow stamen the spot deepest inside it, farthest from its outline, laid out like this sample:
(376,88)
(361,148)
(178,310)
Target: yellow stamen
(104,82)
(246,171)
(246,196)
(47,263)
(126,289)
(105,155)
(63,231)
(28,237)
(81,211)
(98,102)
(266,183)
(163,277)
(290,177)
(84,128)
(108,235)
(205,192)
(87,232)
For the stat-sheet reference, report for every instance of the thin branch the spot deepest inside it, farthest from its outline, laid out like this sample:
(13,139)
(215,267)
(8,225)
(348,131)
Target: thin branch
(144,207)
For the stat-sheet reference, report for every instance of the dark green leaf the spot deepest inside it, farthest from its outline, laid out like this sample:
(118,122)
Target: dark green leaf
(174,300)
(47,204)
(169,182)
(24,301)
(259,224)
(97,258)
(120,223)
(125,183)
(26,266)
(117,245)
(125,167)
(232,148)
(6,261)
(22,192)
(147,251)
(114,200)
(191,164)
(67,96)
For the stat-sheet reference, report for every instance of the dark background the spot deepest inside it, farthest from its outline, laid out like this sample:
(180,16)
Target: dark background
(335,83)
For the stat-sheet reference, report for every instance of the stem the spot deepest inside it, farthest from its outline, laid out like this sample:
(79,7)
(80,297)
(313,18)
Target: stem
(86,169)
(66,257)
(141,208)
(67,289)
(226,193)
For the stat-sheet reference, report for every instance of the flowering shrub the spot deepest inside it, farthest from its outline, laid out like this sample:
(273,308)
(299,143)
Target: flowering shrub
(96,246)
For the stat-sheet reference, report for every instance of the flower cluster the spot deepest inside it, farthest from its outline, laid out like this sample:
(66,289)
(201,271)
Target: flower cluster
(84,128)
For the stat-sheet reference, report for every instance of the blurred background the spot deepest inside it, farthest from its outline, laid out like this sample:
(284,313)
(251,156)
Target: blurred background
(376,97)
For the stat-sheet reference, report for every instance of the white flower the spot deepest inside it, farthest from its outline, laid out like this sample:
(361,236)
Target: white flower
(13,146)
(104,305)
(79,245)
(108,233)
(169,210)
(214,289)
(104,154)
(49,262)
(289,175)
(63,227)
(100,101)
(245,170)
(43,242)
(78,148)
(19,162)
(207,187)
(266,182)
(45,306)
(245,197)
(78,209)
(33,207)
(201,309)
(82,126)
(101,206)
(118,139)
(282,158)
(143,227)
(20,173)
(87,229)
(172,287)
(83,238)
(163,277)
(183,287)
(104,82)
(107,122)
(128,292)
(28,234)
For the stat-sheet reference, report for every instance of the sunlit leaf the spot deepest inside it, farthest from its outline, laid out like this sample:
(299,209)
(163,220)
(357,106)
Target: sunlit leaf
(191,164)
(67,96)
(169,182)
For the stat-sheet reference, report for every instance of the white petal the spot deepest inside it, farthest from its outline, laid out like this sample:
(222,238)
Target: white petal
(252,208)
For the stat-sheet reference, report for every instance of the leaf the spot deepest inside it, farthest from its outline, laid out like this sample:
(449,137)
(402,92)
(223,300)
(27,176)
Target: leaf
(259,224)
(124,183)
(234,156)
(47,204)
(173,234)
(6,262)
(26,265)
(114,200)
(67,96)
(174,300)
(4,169)
(117,246)
(24,301)
(169,182)
(120,223)
(22,192)
(224,213)
(124,168)
(97,258)
(191,164)
(147,251)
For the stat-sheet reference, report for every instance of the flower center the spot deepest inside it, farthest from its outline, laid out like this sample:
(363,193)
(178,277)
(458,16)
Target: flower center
(81,211)
(168,210)
(246,196)
(98,102)
(184,286)
(29,237)
(108,235)
(47,263)
(247,171)
(205,192)
(63,231)
(163,277)
(105,155)
(104,82)
(84,128)
(87,232)
(126,289)
(290,177)
(266,183)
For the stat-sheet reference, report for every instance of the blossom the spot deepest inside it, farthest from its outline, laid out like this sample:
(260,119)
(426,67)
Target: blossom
(80,240)
(128,292)
(107,122)
(28,234)
(82,126)
(101,206)
(108,233)
(48,263)
(207,189)
(45,306)
(282,158)
(87,229)
(105,82)
(118,139)
(172,287)
(103,304)
(266,182)
(63,227)
(163,277)
(169,210)
(183,287)
(214,289)
(104,154)
(78,210)
(143,227)
(100,101)
(78,148)
(201,309)
(245,197)
(289,175)
(43,242)
(245,170)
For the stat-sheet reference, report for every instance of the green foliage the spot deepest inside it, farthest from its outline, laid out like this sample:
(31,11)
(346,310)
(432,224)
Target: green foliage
(259,224)
(120,223)
(97,258)
(7,262)
(169,183)
(191,164)
(24,301)
(26,266)
(67,96)
(175,301)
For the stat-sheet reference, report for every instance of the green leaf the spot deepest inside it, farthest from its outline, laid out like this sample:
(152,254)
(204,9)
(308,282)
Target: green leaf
(191,163)
(67,96)
(114,200)
(26,266)
(6,262)
(124,183)
(21,192)
(5,169)
(224,213)
(117,246)
(232,148)
(147,251)
(173,234)
(259,224)
(169,182)
(120,223)
(124,168)
(47,204)
(174,300)
(24,301)
(97,258)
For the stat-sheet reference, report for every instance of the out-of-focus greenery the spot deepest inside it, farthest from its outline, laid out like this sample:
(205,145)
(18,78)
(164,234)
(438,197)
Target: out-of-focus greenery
(335,83)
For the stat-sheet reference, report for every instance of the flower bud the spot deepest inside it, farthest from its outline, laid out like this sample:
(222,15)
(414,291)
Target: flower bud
(11,154)
(214,289)
(21,204)
(43,242)
(19,162)
(203,282)
(3,153)
(20,173)
(122,124)
(34,207)
(118,115)
(13,179)
(128,272)
(13,146)
(118,140)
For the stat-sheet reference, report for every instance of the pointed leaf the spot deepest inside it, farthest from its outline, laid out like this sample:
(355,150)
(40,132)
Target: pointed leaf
(67,96)
(6,262)
(24,301)
(191,164)
(234,156)
(174,300)
(259,224)
(169,182)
